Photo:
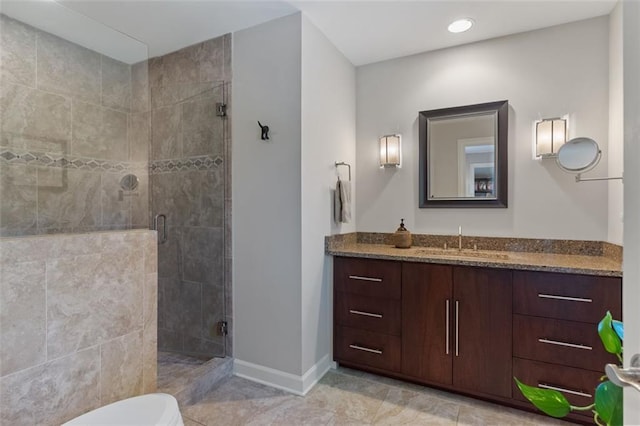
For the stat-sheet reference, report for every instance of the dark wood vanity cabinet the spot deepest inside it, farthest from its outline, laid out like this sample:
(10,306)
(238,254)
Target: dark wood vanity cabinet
(367,324)
(456,325)
(555,328)
(472,329)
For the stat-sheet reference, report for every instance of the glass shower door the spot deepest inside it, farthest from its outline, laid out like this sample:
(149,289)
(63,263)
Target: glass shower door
(188,188)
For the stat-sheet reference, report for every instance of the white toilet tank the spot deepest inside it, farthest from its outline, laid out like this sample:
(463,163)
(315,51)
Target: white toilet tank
(154,409)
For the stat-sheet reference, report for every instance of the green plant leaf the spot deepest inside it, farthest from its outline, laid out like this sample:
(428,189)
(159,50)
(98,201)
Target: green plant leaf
(609,337)
(618,327)
(550,402)
(608,401)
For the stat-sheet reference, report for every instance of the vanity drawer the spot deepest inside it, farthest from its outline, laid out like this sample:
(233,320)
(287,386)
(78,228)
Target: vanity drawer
(565,296)
(570,343)
(367,277)
(368,313)
(575,384)
(367,348)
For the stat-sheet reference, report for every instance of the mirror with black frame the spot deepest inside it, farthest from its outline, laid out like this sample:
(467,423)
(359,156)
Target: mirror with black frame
(463,156)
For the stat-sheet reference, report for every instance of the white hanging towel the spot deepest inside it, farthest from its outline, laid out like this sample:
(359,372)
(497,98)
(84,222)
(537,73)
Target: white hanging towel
(342,202)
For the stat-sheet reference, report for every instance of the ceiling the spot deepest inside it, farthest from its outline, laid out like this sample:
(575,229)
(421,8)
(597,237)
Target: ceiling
(364,31)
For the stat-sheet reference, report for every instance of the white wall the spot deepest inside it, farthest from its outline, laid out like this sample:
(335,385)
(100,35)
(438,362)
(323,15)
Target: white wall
(289,76)
(328,135)
(631,266)
(616,126)
(266,194)
(550,72)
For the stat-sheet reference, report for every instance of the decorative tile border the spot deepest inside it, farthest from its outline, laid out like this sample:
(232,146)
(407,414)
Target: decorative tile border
(204,162)
(64,161)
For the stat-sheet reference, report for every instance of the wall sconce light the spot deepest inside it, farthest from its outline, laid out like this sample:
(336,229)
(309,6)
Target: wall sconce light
(550,135)
(390,151)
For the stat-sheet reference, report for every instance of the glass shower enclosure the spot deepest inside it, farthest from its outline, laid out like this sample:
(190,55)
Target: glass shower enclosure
(95,137)
(187,205)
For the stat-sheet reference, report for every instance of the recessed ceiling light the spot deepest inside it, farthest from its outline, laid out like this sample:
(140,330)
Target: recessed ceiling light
(461,25)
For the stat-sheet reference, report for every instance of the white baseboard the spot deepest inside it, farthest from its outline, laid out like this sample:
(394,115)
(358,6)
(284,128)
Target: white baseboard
(298,385)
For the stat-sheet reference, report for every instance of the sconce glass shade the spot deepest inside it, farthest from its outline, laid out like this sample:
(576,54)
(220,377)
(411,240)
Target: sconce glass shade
(390,151)
(551,134)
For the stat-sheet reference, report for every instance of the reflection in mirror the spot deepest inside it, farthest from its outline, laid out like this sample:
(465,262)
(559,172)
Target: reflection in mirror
(463,156)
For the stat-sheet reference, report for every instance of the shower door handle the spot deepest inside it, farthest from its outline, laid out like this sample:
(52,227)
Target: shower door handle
(161,238)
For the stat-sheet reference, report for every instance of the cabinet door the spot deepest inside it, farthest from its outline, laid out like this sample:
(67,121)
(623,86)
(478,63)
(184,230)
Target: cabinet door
(482,308)
(426,321)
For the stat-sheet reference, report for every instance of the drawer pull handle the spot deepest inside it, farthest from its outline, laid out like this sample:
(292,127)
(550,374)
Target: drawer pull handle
(446,320)
(358,277)
(570,345)
(457,326)
(572,392)
(362,348)
(571,299)
(366,314)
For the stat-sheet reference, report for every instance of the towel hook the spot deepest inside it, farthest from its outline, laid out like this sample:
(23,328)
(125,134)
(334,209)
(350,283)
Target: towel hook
(342,163)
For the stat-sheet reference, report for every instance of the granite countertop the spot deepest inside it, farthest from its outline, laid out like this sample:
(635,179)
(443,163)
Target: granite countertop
(588,262)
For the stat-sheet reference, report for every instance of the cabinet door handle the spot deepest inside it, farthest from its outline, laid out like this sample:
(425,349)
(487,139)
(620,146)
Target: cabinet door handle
(571,299)
(366,314)
(457,325)
(362,348)
(358,277)
(556,388)
(446,319)
(569,345)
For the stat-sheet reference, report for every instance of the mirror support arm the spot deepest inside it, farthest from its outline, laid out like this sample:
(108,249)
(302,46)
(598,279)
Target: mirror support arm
(579,178)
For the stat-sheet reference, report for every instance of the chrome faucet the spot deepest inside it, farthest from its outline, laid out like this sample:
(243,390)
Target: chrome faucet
(459,238)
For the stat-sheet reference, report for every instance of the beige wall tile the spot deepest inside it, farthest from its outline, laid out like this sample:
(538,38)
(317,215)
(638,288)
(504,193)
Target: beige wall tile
(33,119)
(22,316)
(150,333)
(211,59)
(121,368)
(43,247)
(140,203)
(52,393)
(116,84)
(68,198)
(140,87)
(91,299)
(18,53)
(139,136)
(116,209)
(18,205)
(99,132)
(162,96)
(203,255)
(68,69)
(96,299)
(150,243)
(166,133)
(175,68)
(202,130)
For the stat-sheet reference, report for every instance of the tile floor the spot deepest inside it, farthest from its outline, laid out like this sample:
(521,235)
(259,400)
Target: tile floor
(348,397)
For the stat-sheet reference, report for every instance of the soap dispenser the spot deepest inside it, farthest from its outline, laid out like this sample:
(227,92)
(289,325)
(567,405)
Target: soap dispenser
(402,237)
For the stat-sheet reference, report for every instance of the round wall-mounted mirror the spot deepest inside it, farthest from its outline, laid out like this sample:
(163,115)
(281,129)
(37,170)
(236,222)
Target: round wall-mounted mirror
(578,155)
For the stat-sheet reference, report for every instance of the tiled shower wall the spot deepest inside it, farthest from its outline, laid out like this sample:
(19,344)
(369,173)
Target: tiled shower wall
(190,184)
(78,323)
(73,122)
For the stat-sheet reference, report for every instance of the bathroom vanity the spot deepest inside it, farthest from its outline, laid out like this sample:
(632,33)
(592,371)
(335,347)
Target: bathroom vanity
(469,321)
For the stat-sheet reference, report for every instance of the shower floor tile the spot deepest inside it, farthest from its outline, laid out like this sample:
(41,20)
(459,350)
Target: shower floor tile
(189,378)
(172,366)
